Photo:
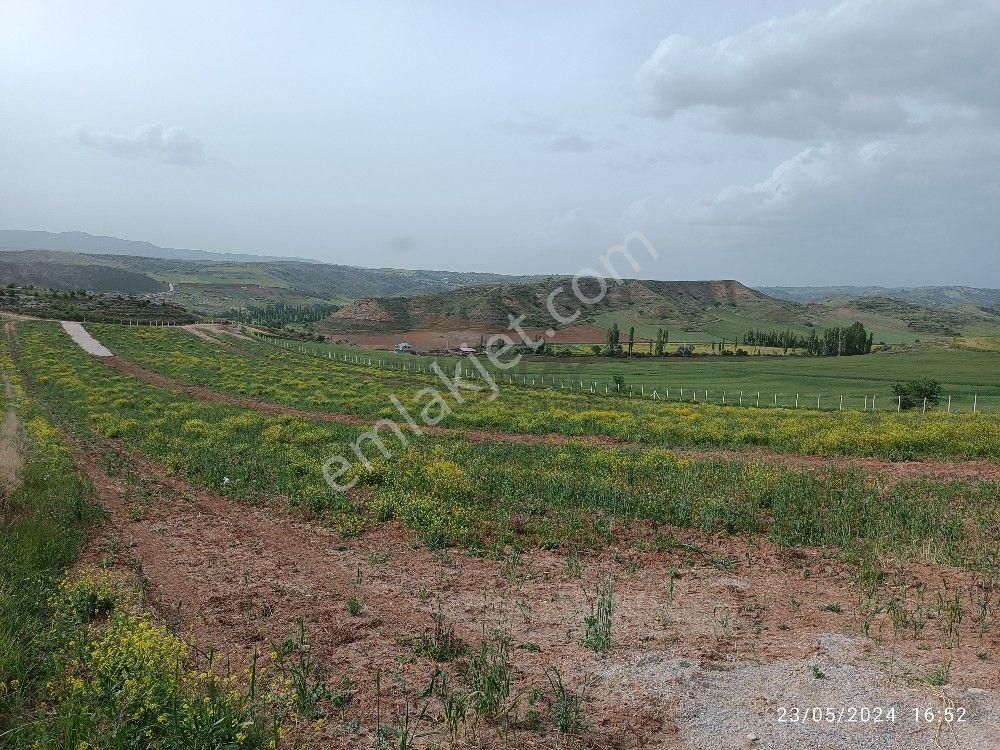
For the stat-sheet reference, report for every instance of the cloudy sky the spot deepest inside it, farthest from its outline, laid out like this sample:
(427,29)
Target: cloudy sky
(773,142)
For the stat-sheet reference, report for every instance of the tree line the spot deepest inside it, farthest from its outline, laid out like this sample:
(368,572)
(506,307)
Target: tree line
(833,342)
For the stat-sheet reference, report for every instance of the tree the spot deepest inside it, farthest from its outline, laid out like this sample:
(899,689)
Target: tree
(631,339)
(613,340)
(661,342)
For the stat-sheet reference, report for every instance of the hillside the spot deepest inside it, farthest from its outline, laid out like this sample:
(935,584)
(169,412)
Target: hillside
(926,296)
(695,311)
(218,287)
(490,306)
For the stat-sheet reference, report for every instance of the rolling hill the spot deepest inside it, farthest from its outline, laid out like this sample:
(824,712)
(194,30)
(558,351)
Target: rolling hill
(925,296)
(691,310)
(217,287)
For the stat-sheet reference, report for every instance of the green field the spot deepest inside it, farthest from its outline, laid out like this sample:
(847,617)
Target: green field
(965,374)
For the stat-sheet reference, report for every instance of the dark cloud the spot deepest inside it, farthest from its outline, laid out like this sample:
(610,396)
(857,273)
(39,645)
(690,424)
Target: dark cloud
(167,145)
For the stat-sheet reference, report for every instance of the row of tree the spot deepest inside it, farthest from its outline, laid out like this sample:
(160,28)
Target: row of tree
(833,342)
(278,314)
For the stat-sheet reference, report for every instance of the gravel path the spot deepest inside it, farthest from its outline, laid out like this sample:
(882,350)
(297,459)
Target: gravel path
(87,342)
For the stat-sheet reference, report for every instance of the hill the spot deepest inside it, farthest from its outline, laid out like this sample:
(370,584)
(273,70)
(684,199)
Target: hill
(81,242)
(219,287)
(490,306)
(694,311)
(926,296)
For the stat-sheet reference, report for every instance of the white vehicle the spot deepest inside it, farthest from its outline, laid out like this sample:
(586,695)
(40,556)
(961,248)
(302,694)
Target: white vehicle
(405,348)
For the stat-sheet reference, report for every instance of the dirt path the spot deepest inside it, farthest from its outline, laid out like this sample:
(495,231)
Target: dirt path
(11,448)
(701,656)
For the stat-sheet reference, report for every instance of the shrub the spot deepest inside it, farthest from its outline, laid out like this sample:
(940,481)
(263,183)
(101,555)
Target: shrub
(913,392)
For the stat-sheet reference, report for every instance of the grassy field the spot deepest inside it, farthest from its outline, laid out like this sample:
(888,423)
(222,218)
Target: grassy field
(315,383)
(447,490)
(480,536)
(964,373)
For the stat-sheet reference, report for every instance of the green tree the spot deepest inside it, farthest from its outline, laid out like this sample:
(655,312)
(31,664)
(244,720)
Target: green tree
(614,335)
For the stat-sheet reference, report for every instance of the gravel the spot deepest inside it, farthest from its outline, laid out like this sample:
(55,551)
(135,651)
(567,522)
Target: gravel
(87,342)
(736,707)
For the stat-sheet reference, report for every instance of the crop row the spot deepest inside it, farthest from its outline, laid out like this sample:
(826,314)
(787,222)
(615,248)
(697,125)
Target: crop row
(490,495)
(303,381)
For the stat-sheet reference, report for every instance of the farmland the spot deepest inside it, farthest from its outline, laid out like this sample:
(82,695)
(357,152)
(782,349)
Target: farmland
(458,594)
(965,369)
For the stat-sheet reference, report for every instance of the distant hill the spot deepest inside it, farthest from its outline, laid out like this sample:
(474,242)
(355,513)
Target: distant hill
(81,242)
(927,296)
(218,287)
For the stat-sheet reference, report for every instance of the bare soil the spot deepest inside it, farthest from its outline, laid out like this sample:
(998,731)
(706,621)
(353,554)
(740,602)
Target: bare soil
(11,450)
(701,657)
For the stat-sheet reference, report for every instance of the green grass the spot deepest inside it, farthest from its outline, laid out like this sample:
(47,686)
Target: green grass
(41,532)
(962,372)
(317,384)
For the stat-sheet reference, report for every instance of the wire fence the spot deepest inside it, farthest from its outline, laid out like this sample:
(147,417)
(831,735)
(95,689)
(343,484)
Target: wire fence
(743,397)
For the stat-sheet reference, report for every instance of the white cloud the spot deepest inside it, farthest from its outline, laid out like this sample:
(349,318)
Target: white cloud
(167,145)
(863,67)
(891,111)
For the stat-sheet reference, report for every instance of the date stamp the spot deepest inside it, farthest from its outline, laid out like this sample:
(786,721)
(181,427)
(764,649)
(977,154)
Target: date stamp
(871,714)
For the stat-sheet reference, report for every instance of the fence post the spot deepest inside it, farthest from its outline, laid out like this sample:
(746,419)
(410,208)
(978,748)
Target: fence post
(949,404)
(899,403)
(975,402)
(817,400)
(741,398)
(924,410)
(796,401)
(758,398)
(775,399)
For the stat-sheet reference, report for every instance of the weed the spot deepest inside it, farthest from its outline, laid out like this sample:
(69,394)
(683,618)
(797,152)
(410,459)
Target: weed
(488,675)
(817,673)
(567,706)
(939,676)
(598,623)
(440,644)
(296,663)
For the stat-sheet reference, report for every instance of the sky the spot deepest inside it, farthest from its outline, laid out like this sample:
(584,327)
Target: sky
(771,142)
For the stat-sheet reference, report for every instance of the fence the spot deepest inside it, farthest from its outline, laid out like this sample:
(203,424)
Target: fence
(866,402)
